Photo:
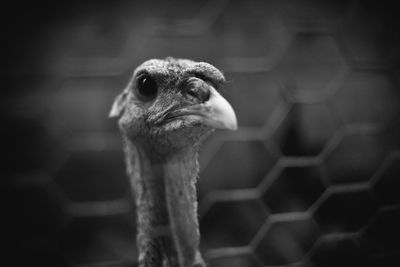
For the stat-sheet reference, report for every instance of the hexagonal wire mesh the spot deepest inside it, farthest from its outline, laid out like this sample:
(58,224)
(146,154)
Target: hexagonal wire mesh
(313,174)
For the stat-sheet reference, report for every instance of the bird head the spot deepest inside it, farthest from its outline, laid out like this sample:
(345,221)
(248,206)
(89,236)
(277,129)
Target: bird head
(172,103)
(168,106)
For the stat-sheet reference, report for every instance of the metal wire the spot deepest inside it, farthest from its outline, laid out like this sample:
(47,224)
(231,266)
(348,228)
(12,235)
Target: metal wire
(308,180)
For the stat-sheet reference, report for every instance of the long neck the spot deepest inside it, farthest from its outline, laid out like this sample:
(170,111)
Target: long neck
(166,202)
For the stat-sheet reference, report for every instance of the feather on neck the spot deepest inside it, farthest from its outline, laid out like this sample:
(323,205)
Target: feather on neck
(166,201)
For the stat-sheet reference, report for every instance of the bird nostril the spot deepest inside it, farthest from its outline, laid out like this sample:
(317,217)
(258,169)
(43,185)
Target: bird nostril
(198,89)
(201,93)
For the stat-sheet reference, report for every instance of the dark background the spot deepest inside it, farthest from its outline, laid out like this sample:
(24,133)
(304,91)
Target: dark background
(310,179)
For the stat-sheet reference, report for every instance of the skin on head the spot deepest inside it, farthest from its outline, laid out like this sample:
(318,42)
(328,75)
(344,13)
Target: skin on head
(168,107)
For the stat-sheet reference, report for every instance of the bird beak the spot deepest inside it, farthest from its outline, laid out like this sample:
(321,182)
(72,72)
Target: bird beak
(217,112)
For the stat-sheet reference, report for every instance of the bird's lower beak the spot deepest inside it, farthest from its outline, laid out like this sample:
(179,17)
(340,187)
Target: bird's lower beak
(216,112)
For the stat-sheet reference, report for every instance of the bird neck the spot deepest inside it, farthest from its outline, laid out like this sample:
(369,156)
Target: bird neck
(166,203)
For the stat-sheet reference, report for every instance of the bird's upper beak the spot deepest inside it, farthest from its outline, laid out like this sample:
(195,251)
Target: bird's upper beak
(215,112)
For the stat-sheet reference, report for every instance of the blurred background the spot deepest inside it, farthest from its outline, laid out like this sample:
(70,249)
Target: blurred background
(310,179)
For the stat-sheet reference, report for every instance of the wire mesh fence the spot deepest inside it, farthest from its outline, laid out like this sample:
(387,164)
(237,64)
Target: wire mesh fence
(311,177)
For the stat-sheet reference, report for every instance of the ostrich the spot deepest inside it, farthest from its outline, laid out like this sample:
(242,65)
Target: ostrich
(167,109)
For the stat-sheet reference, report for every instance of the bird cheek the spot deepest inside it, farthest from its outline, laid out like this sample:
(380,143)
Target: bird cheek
(130,124)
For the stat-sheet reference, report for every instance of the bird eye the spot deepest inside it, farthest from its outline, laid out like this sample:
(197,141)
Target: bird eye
(147,88)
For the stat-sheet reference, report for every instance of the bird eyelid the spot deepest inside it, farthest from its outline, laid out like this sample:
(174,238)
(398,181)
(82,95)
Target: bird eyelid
(208,73)
(157,76)
(140,74)
(216,83)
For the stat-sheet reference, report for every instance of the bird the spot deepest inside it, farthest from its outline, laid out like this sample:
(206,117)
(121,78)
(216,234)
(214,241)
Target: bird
(168,108)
